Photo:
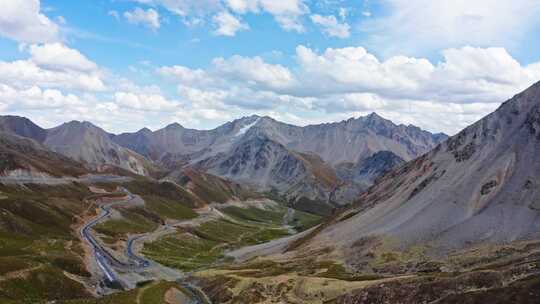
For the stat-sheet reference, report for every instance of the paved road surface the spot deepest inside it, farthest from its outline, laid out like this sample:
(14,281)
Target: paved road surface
(107,262)
(104,259)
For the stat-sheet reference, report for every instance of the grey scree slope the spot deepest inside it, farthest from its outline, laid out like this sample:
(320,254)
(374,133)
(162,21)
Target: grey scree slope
(482,185)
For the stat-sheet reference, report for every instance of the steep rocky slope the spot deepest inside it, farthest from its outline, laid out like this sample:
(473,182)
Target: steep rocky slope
(23,127)
(459,224)
(297,162)
(82,142)
(91,145)
(267,165)
(327,164)
(352,140)
(479,187)
(175,140)
(368,170)
(347,141)
(21,156)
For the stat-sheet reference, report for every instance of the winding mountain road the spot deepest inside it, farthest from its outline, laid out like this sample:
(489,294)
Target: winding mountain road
(108,263)
(143,262)
(104,259)
(99,252)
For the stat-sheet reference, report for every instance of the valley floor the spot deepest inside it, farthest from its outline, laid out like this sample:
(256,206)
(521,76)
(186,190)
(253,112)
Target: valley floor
(199,254)
(70,241)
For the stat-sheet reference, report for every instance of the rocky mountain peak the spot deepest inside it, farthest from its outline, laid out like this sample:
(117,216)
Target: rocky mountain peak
(91,145)
(439,137)
(174,126)
(251,117)
(246,120)
(144,131)
(76,131)
(377,124)
(525,103)
(22,126)
(373,122)
(514,123)
(373,116)
(267,122)
(479,187)
(76,125)
(244,125)
(14,119)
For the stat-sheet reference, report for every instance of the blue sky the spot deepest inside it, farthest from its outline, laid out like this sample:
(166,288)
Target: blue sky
(93,28)
(127,64)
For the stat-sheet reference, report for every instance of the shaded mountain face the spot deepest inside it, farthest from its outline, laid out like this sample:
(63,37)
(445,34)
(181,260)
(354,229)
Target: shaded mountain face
(346,141)
(480,186)
(274,156)
(327,163)
(140,141)
(269,166)
(23,127)
(366,171)
(20,156)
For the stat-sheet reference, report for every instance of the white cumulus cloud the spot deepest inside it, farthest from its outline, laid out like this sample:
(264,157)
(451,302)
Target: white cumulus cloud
(228,25)
(144,102)
(148,18)
(287,13)
(331,26)
(36,98)
(57,56)
(185,75)
(243,6)
(22,21)
(256,71)
(420,26)
(25,73)
(337,83)
(465,75)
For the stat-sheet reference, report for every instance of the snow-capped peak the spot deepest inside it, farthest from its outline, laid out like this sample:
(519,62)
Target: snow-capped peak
(245,128)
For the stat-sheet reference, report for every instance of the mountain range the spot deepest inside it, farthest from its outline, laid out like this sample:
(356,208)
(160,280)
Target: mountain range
(458,224)
(81,141)
(318,165)
(420,217)
(478,188)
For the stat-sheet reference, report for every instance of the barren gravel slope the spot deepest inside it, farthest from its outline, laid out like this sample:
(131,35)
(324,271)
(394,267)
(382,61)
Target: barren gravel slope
(482,185)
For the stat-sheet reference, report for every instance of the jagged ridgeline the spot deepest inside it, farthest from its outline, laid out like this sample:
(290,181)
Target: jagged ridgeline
(248,209)
(86,213)
(323,165)
(459,224)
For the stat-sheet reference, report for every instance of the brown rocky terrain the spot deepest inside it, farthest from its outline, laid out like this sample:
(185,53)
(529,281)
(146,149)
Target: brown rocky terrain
(456,225)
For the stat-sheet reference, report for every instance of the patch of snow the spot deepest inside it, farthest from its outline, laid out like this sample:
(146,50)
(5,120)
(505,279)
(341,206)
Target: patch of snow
(245,128)
(136,165)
